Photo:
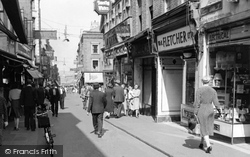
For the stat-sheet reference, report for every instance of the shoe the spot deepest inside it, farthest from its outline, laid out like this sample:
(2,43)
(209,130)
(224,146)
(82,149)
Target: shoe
(107,117)
(53,114)
(14,128)
(117,117)
(201,146)
(209,149)
(99,135)
(57,115)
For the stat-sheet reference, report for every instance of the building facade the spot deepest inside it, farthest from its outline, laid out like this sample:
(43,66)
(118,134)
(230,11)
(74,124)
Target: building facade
(16,46)
(89,53)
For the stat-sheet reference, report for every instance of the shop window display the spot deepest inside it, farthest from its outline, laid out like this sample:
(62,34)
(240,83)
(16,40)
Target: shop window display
(229,68)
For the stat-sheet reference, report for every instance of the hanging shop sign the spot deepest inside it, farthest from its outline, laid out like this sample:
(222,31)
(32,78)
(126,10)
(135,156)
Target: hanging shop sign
(45,34)
(23,50)
(101,7)
(175,39)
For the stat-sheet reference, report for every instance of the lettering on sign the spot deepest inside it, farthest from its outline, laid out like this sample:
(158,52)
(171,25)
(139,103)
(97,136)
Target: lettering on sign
(101,7)
(219,35)
(178,38)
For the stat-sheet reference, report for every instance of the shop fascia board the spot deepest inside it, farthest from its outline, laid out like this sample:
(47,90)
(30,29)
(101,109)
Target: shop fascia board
(229,22)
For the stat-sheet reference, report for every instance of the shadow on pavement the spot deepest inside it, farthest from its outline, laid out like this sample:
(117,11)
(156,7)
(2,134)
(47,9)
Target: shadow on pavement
(75,142)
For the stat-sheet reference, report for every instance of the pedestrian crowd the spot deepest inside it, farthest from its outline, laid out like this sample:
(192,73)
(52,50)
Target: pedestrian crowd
(25,101)
(113,102)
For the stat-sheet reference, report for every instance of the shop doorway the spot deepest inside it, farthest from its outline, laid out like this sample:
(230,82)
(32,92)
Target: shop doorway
(149,87)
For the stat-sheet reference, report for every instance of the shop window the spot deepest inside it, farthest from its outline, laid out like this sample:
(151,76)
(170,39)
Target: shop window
(190,82)
(229,68)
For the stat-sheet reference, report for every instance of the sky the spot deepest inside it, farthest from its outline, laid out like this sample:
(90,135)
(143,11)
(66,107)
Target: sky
(77,15)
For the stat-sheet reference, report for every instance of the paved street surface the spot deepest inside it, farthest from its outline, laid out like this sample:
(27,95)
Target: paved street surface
(124,137)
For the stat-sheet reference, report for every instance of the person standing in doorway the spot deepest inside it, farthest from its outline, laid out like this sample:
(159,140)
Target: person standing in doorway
(136,100)
(28,101)
(97,104)
(118,98)
(14,98)
(206,96)
(54,98)
(3,114)
(125,104)
(109,92)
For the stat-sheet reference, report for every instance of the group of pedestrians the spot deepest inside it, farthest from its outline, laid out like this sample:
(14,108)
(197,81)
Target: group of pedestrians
(112,100)
(26,100)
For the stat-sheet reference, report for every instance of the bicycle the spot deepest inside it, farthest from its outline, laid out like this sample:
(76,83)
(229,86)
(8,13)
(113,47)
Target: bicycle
(44,122)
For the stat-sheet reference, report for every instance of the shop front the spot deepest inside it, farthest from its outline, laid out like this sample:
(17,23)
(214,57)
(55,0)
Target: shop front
(176,81)
(229,65)
(144,71)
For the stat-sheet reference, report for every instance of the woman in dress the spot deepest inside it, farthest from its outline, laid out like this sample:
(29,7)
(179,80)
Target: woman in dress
(130,100)
(206,96)
(109,92)
(14,98)
(136,100)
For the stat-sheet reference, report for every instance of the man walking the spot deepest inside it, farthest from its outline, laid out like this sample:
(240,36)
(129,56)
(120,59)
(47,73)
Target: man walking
(54,98)
(118,98)
(28,100)
(40,95)
(3,114)
(97,104)
(62,96)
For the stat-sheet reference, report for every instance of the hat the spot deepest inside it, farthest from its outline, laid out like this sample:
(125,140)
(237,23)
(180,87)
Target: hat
(96,85)
(206,79)
(118,81)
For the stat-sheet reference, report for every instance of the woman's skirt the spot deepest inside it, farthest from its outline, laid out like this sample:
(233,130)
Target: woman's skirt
(16,108)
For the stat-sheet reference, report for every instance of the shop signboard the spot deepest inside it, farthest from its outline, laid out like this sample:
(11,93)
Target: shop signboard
(45,34)
(50,54)
(93,77)
(175,39)
(101,7)
(23,50)
(219,36)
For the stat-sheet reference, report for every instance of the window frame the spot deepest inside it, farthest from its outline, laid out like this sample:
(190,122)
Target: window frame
(92,64)
(92,48)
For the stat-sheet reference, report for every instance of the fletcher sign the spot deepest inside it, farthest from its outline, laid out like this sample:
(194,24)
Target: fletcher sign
(101,7)
(178,38)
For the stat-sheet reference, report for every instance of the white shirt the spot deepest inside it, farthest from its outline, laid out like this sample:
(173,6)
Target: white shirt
(14,94)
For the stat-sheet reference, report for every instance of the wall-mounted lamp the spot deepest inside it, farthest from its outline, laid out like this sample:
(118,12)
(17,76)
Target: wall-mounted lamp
(187,54)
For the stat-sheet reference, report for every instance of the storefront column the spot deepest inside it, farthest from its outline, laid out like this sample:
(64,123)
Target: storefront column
(184,82)
(159,88)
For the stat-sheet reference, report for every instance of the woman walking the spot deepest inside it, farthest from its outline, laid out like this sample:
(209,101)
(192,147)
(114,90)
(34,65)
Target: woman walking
(206,96)
(130,100)
(14,98)
(136,101)
(109,92)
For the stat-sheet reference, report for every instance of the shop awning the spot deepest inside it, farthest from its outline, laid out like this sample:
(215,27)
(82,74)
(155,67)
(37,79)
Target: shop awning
(34,73)
(13,11)
(10,34)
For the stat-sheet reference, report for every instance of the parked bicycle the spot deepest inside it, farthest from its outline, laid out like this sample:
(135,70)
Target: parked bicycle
(44,122)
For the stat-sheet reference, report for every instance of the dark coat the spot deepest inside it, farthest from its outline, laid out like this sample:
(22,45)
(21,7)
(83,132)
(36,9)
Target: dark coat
(52,96)
(40,95)
(109,96)
(119,94)
(97,102)
(3,109)
(28,97)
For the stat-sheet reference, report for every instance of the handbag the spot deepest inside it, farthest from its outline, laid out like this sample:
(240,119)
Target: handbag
(193,124)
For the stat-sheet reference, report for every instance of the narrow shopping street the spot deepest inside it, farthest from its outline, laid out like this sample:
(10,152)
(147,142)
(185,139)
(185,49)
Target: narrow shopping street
(124,137)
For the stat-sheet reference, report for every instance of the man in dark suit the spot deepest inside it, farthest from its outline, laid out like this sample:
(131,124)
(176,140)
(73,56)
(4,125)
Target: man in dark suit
(28,101)
(97,104)
(118,98)
(40,95)
(54,98)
